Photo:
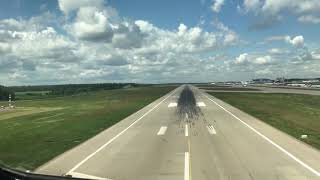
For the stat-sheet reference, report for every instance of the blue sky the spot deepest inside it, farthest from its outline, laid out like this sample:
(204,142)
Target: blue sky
(65,41)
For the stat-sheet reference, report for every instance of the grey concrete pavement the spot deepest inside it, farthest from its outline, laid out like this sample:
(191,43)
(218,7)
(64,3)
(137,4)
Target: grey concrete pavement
(223,143)
(273,90)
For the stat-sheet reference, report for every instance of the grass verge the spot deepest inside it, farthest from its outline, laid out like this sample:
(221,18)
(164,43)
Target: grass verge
(295,114)
(28,140)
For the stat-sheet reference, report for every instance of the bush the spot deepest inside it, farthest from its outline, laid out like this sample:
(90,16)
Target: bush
(4,93)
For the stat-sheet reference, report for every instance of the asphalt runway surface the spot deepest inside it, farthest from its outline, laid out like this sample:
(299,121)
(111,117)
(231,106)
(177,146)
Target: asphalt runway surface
(189,134)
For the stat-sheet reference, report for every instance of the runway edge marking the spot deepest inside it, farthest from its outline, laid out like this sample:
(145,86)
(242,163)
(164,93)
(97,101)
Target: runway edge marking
(119,134)
(86,176)
(269,140)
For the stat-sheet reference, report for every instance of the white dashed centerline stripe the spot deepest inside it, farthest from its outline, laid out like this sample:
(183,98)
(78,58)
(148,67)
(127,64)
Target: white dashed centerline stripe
(186,131)
(119,134)
(186,166)
(317,173)
(211,129)
(162,130)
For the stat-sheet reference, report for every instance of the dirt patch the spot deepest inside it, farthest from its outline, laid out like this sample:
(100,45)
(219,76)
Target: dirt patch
(24,111)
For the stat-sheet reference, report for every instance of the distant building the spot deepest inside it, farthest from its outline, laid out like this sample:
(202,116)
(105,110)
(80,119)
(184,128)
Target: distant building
(244,83)
(297,85)
(262,81)
(280,80)
(311,81)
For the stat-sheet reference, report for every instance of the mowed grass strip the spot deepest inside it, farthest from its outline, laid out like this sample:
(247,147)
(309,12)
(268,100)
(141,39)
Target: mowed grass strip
(295,114)
(27,141)
(11,113)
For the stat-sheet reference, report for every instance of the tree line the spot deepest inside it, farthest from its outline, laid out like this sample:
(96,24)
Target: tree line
(63,90)
(71,89)
(4,93)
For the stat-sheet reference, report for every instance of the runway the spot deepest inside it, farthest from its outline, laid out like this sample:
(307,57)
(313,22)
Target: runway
(163,142)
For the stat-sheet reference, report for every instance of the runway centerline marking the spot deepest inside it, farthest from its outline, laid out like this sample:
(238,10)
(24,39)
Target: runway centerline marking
(119,134)
(186,131)
(201,104)
(172,105)
(317,173)
(186,166)
(211,129)
(162,130)
(190,167)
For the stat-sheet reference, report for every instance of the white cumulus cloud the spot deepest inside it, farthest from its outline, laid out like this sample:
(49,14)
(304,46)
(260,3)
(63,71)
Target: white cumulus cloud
(67,6)
(263,60)
(246,58)
(4,48)
(251,5)
(297,41)
(242,58)
(277,51)
(216,6)
(309,19)
(276,9)
(91,24)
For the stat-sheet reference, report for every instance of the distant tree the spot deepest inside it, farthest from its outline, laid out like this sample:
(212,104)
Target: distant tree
(4,93)
(72,89)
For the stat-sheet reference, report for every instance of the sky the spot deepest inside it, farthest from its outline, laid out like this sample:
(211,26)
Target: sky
(167,41)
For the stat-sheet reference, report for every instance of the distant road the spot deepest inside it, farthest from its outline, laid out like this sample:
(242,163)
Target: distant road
(157,143)
(272,90)
(289,90)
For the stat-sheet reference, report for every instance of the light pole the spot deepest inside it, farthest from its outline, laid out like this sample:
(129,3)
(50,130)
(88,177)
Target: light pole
(9,100)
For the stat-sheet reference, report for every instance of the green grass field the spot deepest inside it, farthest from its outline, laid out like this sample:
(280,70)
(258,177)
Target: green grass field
(38,130)
(295,114)
(29,95)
